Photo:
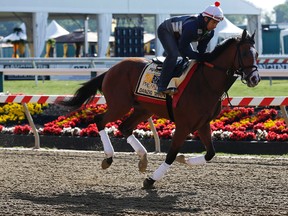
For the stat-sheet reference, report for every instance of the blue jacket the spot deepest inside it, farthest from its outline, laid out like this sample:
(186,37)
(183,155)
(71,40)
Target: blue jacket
(189,29)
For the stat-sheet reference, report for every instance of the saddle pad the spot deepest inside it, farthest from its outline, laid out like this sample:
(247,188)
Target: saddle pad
(146,89)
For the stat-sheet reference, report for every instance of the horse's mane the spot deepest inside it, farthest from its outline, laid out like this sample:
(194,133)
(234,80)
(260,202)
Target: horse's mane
(220,48)
(224,45)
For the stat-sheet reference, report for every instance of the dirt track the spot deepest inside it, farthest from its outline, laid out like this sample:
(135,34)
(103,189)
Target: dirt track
(72,183)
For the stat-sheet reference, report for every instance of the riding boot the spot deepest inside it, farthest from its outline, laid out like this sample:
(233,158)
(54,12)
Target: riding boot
(165,77)
(163,83)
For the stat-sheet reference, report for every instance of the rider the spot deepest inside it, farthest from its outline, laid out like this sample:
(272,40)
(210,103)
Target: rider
(176,34)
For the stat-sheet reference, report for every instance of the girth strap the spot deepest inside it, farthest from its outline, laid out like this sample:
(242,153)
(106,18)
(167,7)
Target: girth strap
(169,107)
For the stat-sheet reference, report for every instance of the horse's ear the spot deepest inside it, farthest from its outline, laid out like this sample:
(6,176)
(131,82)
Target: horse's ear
(244,35)
(253,35)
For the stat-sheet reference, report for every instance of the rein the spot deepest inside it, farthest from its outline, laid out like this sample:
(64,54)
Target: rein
(230,80)
(230,71)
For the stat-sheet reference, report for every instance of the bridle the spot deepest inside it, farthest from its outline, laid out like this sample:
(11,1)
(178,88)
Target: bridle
(242,68)
(231,71)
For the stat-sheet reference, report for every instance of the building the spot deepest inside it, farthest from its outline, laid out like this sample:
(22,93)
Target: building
(35,14)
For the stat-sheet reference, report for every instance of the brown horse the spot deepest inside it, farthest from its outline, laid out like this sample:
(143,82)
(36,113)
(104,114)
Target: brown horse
(199,104)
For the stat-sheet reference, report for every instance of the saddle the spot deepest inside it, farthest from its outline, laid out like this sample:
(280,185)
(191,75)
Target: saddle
(181,65)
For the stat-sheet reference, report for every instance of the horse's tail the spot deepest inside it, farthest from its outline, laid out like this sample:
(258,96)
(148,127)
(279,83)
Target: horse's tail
(85,93)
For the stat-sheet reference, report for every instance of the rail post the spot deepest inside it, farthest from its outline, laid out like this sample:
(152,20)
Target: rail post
(155,134)
(31,123)
(1,81)
(284,114)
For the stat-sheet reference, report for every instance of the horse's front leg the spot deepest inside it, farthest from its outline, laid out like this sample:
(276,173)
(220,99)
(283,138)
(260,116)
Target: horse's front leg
(205,137)
(177,142)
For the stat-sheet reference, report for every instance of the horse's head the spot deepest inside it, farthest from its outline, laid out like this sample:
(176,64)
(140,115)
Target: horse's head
(245,60)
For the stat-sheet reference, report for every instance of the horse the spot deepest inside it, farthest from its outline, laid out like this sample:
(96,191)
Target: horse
(199,103)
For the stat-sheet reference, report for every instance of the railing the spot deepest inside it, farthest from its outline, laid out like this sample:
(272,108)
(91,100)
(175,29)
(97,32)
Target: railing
(51,99)
(94,72)
(56,62)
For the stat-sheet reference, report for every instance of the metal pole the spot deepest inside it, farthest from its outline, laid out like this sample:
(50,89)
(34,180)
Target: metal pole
(31,123)
(284,114)
(156,137)
(1,81)
(86,45)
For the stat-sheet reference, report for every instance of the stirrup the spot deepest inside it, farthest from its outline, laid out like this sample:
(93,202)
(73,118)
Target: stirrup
(171,91)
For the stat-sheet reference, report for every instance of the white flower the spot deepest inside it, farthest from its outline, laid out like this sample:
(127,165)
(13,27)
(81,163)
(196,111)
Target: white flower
(66,131)
(226,135)
(261,135)
(221,135)
(8,130)
(75,131)
(143,134)
(111,130)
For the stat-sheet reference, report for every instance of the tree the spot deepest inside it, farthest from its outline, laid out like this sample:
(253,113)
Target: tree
(281,12)
(236,19)
(267,18)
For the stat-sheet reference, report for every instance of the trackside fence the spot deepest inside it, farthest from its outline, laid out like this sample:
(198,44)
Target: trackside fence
(282,102)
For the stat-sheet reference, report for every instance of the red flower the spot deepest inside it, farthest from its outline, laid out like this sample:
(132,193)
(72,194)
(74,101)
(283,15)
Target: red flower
(25,129)
(91,131)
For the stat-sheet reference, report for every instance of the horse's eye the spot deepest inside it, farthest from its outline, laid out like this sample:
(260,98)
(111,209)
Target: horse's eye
(245,53)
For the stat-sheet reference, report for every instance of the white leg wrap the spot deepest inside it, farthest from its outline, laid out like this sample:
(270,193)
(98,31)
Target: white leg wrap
(108,148)
(136,145)
(160,172)
(196,160)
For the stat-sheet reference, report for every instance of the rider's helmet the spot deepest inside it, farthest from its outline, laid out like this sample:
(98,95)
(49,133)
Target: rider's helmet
(214,12)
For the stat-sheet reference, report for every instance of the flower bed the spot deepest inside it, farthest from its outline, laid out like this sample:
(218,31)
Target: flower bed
(232,124)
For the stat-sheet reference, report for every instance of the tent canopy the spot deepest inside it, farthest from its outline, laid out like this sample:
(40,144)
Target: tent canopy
(19,35)
(78,36)
(224,29)
(54,30)
(228,29)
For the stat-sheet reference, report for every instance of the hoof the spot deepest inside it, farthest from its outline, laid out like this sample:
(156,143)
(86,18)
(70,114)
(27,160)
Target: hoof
(142,165)
(181,159)
(106,163)
(148,183)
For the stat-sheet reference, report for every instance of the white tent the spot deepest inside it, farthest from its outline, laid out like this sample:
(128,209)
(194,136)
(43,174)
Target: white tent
(17,36)
(283,33)
(54,30)
(224,29)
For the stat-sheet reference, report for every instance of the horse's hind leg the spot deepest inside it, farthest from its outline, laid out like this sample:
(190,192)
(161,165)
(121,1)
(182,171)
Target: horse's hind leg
(101,120)
(205,137)
(126,129)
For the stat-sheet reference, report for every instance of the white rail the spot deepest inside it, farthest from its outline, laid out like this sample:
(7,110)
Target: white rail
(51,71)
(87,71)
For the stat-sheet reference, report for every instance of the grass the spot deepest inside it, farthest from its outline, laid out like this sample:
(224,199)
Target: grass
(264,88)
(47,87)
(64,87)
